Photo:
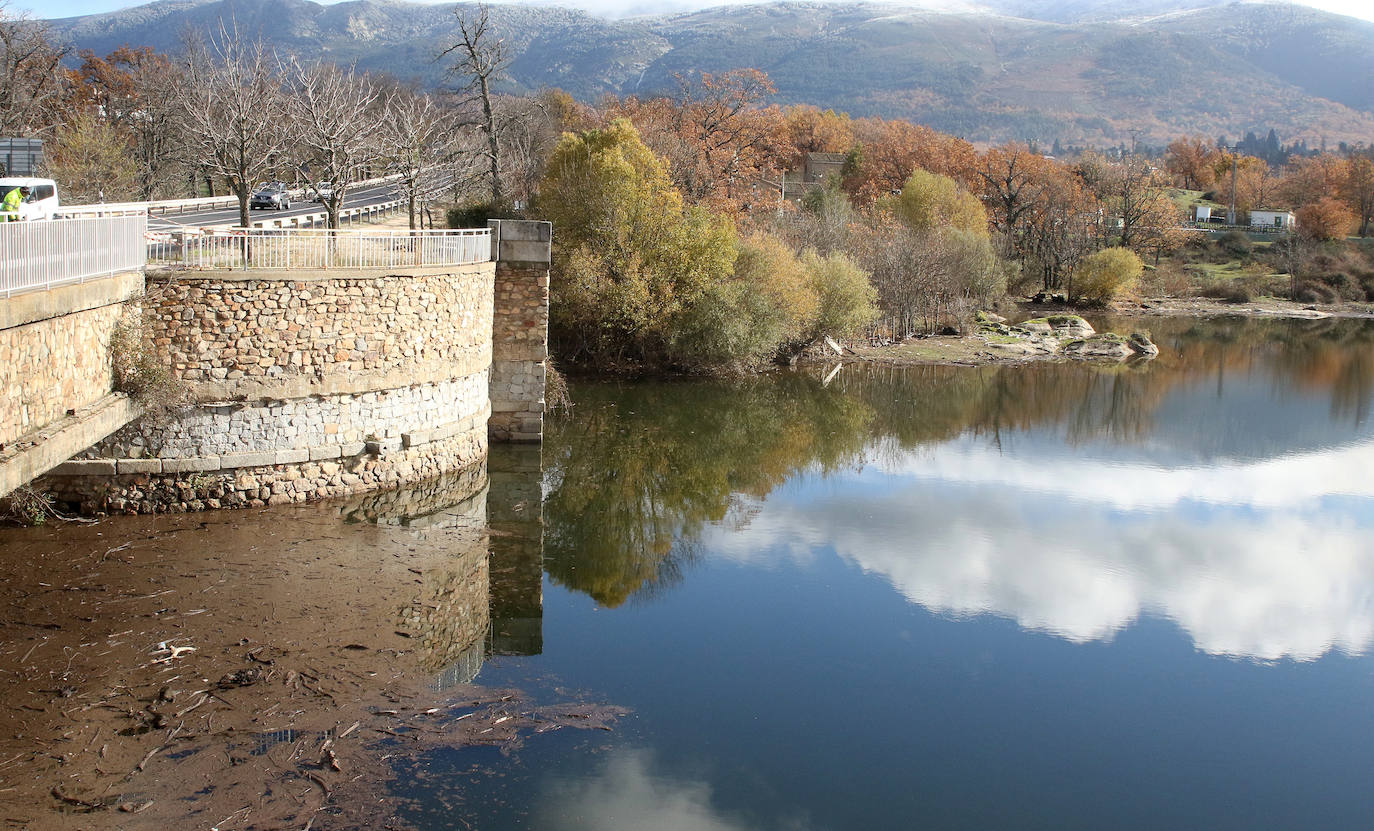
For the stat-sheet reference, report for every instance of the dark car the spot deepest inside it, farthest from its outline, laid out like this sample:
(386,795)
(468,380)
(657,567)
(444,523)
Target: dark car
(272,197)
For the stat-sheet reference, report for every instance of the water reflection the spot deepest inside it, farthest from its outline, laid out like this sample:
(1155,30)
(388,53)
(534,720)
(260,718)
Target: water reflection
(628,794)
(1222,486)
(480,599)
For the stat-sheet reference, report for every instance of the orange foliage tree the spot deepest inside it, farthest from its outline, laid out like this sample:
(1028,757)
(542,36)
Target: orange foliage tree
(1326,219)
(887,152)
(1193,160)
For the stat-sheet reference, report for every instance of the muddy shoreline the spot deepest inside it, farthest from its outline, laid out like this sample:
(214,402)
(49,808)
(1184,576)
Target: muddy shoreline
(254,669)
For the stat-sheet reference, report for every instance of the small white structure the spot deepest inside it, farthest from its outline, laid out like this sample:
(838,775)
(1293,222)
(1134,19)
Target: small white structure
(1202,213)
(1275,220)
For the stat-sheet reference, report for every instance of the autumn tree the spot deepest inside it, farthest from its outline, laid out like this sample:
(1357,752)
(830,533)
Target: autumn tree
(1012,179)
(1357,188)
(89,156)
(1142,216)
(808,129)
(630,256)
(1060,226)
(726,130)
(888,152)
(1326,219)
(140,91)
(929,201)
(1311,178)
(1193,159)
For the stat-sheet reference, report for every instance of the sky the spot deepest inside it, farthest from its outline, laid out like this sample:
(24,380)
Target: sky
(611,8)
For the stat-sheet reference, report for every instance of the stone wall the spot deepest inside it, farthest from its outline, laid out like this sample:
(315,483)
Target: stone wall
(54,351)
(236,335)
(303,386)
(520,329)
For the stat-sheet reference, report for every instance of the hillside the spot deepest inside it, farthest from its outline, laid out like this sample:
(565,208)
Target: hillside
(1220,70)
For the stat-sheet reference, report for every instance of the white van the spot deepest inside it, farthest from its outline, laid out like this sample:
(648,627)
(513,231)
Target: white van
(42,202)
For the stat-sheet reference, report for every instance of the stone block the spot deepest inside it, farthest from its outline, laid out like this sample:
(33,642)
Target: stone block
(86,467)
(324,451)
(381,447)
(255,459)
(139,465)
(192,465)
(293,456)
(352,448)
(417,437)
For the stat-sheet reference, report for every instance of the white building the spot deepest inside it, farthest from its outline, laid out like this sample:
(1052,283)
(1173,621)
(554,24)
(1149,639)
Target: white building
(1276,220)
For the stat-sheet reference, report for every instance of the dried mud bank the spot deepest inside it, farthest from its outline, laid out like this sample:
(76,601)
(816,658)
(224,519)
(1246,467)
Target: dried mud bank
(256,669)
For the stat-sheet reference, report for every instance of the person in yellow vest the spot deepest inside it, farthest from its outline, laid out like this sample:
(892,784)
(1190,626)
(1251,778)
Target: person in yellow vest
(9,208)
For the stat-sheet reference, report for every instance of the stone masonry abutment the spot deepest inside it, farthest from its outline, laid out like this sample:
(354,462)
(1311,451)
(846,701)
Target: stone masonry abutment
(305,385)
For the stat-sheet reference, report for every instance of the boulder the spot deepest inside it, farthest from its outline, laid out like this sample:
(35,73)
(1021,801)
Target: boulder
(1099,347)
(1140,344)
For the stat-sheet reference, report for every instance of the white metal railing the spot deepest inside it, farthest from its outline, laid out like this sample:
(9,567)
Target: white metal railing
(44,254)
(301,248)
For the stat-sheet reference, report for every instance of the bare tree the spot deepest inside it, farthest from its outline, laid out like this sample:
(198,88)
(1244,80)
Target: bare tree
(30,74)
(234,110)
(480,58)
(135,90)
(416,140)
(333,113)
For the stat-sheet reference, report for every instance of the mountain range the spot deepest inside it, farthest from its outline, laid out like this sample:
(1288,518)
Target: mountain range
(1003,70)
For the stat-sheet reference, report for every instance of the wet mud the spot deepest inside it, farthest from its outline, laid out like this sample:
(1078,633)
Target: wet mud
(257,669)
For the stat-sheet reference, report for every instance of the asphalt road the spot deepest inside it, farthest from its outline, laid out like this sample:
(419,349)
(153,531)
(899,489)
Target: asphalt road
(230,216)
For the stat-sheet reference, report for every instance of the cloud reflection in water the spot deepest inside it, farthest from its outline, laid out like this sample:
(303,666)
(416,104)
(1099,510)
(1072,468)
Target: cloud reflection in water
(627,794)
(1264,560)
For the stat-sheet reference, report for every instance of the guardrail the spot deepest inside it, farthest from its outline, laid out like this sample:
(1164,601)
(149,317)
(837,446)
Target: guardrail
(166,206)
(299,248)
(45,254)
(362,213)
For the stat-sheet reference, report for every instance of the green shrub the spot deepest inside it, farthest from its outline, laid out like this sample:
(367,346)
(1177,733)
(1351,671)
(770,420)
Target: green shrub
(1236,243)
(630,259)
(767,305)
(476,214)
(848,303)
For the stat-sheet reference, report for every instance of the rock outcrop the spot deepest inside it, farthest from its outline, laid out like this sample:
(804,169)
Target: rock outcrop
(1065,335)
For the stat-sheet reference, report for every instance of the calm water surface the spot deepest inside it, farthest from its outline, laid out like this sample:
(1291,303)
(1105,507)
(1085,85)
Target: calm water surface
(1051,596)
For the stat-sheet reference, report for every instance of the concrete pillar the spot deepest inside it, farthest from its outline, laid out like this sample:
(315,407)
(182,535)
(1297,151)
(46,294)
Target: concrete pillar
(520,328)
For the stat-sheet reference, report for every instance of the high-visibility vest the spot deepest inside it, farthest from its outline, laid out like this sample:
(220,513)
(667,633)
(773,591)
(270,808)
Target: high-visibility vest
(9,209)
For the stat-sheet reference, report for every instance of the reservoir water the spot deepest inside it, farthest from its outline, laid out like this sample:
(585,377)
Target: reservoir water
(1050,596)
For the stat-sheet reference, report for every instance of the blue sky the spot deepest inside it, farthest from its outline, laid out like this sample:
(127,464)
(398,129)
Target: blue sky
(613,8)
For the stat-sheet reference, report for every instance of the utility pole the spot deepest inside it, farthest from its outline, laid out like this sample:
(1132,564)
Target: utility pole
(1231,214)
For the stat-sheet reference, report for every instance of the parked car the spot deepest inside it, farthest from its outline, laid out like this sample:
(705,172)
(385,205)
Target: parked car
(272,197)
(324,191)
(42,201)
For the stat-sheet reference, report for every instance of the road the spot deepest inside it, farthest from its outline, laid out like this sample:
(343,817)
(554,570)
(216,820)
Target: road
(230,216)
